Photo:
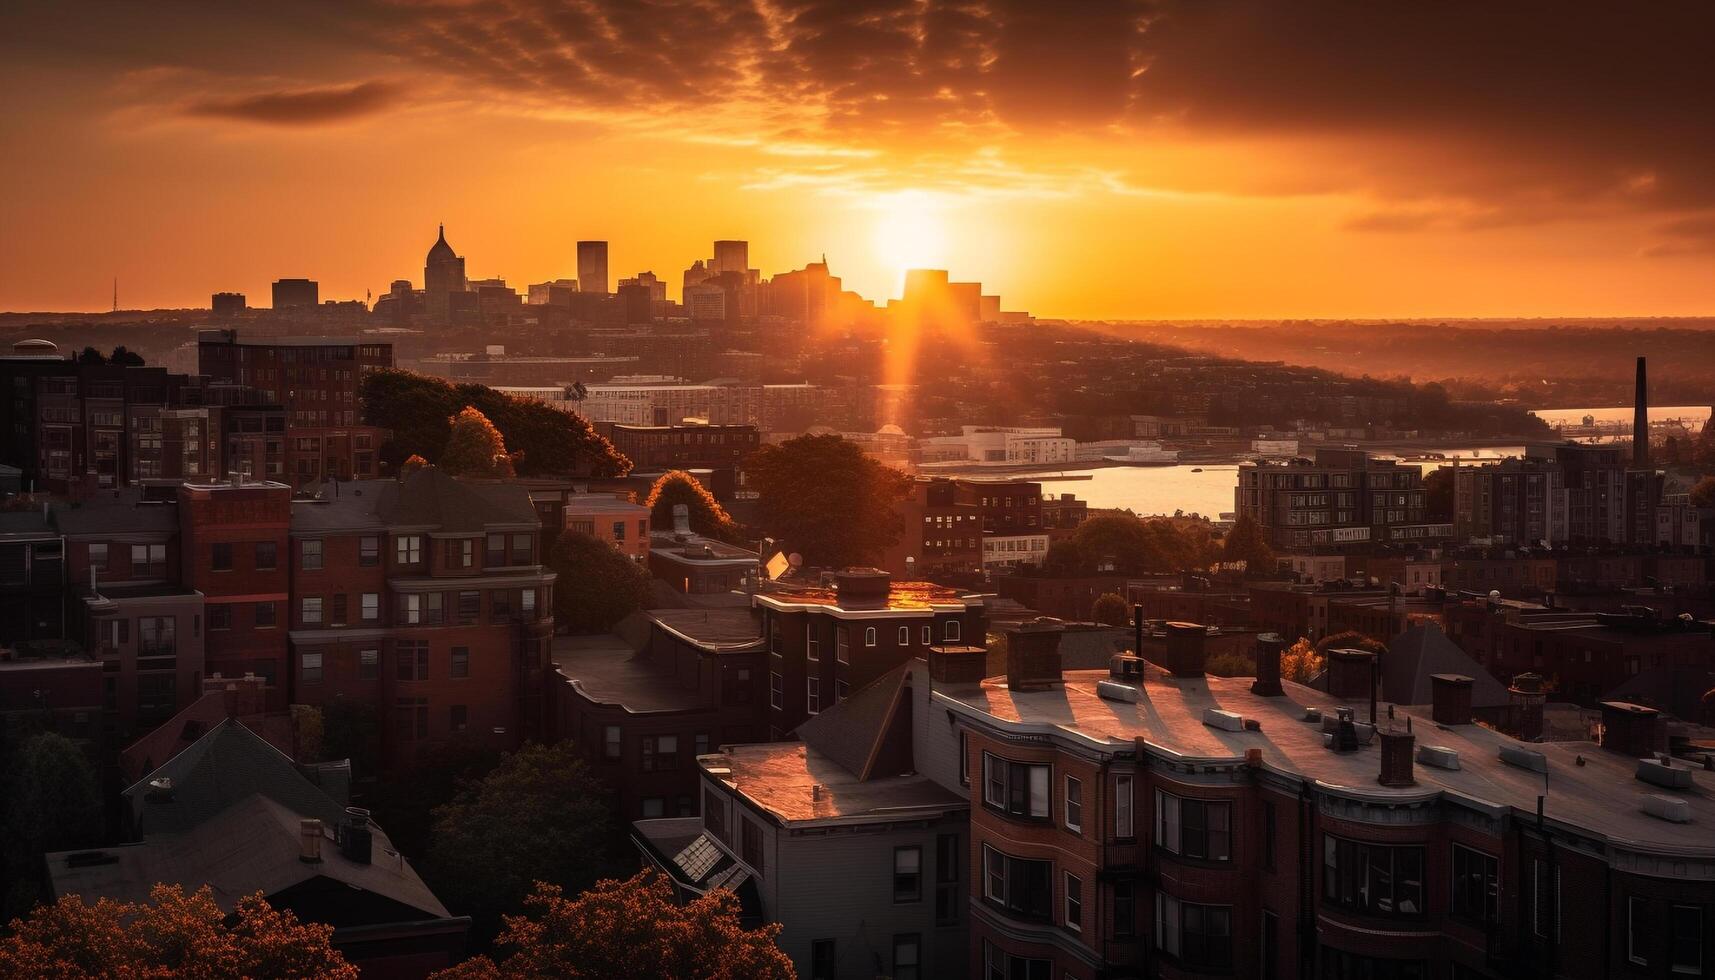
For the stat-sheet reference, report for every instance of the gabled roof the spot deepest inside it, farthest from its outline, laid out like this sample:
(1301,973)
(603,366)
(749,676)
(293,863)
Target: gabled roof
(855,732)
(1423,650)
(428,497)
(183,730)
(223,767)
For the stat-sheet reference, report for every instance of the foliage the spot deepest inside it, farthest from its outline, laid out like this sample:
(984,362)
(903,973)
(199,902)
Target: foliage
(1064,558)
(708,517)
(631,929)
(475,447)
(172,935)
(412,465)
(1111,610)
(125,358)
(598,584)
(405,804)
(1438,495)
(90,355)
(539,816)
(546,440)
(822,497)
(1246,543)
(52,801)
(1133,546)
(1703,494)
(350,730)
(1300,662)
(1230,665)
(1349,640)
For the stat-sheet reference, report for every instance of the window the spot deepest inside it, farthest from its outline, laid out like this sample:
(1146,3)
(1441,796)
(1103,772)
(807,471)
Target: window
(869,636)
(1016,884)
(310,668)
(469,608)
(964,759)
(264,615)
(413,718)
(1125,826)
(1637,931)
(1199,829)
(368,664)
(1198,936)
(411,609)
(750,843)
(266,556)
(220,557)
(1375,879)
(312,610)
(1476,886)
(619,531)
(905,957)
(369,550)
(904,636)
(907,874)
(408,549)
(310,555)
(776,690)
(660,753)
(413,660)
(813,695)
(1545,900)
(1685,939)
(219,617)
(928,635)
(1074,805)
(822,959)
(950,632)
(521,549)
(812,648)
(461,553)
(842,646)
(700,743)
(1125,909)
(998,964)
(495,553)
(98,556)
(458,718)
(947,902)
(842,690)
(461,662)
(370,606)
(1017,788)
(611,742)
(1074,911)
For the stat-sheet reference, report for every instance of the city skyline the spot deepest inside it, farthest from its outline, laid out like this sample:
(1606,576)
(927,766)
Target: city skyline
(1159,162)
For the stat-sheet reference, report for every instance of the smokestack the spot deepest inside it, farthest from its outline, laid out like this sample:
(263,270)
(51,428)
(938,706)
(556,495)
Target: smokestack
(1268,650)
(1640,421)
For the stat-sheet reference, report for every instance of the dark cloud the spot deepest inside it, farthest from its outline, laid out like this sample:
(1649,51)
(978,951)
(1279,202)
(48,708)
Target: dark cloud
(303,107)
(1690,235)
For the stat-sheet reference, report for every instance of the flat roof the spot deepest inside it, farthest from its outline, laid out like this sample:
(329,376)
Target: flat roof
(783,778)
(1601,795)
(900,595)
(605,669)
(600,503)
(715,628)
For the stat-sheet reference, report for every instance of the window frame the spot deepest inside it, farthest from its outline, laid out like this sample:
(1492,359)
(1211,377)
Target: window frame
(999,774)
(913,876)
(1072,901)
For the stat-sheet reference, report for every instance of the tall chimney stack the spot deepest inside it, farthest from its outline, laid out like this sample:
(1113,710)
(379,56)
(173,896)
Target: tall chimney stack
(1640,421)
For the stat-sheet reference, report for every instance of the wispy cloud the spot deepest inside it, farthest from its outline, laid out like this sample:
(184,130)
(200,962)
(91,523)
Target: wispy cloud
(302,107)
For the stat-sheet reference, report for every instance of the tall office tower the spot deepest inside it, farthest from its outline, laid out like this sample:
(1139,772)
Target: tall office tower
(296,292)
(225,304)
(731,256)
(1640,421)
(443,275)
(592,267)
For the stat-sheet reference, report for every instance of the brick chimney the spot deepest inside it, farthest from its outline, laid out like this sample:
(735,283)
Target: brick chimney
(1632,729)
(310,841)
(1185,654)
(1033,655)
(1350,672)
(1450,698)
(958,665)
(1268,649)
(1397,749)
(1527,701)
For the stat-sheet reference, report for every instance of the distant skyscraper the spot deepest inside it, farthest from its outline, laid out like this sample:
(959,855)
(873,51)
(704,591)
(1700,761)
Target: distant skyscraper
(731,256)
(226,304)
(443,275)
(592,267)
(1640,421)
(296,292)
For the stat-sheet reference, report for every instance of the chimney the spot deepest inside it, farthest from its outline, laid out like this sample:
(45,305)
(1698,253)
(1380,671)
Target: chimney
(355,838)
(1185,653)
(1632,729)
(1450,699)
(681,519)
(1640,421)
(1397,749)
(1350,672)
(1033,655)
(862,587)
(958,665)
(1268,649)
(310,841)
(1527,701)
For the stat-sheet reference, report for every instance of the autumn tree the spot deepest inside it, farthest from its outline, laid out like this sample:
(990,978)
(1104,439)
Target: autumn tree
(538,816)
(412,465)
(1110,609)
(706,514)
(1300,662)
(1703,493)
(631,929)
(598,584)
(475,447)
(1246,543)
(825,499)
(171,935)
(1350,640)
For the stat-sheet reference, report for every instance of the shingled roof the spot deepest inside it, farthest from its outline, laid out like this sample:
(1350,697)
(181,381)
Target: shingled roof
(1423,650)
(862,732)
(428,497)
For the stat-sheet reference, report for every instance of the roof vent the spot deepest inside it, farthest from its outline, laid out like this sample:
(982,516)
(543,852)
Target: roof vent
(1438,756)
(1228,721)
(1524,759)
(1669,808)
(1662,772)
(1115,691)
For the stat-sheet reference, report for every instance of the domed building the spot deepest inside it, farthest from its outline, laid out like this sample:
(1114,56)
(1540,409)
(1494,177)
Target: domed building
(443,275)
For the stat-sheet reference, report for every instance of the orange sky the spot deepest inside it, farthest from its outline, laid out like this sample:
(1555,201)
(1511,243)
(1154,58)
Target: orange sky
(1084,160)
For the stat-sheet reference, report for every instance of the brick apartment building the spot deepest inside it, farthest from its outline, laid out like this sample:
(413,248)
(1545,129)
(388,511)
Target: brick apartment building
(1339,497)
(943,533)
(720,449)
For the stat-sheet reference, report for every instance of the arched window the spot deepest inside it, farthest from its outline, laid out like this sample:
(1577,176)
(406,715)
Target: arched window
(869,636)
(951,634)
(904,636)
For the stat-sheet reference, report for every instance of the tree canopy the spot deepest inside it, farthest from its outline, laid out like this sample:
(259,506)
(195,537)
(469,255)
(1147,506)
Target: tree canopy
(1110,609)
(1349,640)
(171,935)
(822,497)
(546,441)
(598,584)
(475,447)
(708,517)
(1246,543)
(630,929)
(1703,493)
(1131,545)
(51,802)
(538,816)
(1300,662)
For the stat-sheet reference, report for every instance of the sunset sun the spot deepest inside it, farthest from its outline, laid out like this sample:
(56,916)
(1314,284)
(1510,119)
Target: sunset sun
(908,232)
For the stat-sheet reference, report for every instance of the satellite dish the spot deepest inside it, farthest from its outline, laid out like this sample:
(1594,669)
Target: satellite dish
(795,560)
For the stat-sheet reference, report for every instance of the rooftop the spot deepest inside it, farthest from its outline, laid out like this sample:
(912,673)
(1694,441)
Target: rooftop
(900,595)
(606,670)
(1599,794)
(601,503)
(796,784)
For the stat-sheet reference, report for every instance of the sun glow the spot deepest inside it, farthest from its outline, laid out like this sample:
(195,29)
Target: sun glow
(908,233)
